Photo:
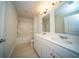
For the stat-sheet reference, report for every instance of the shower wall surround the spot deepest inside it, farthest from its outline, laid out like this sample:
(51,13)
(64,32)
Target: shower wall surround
(25,30)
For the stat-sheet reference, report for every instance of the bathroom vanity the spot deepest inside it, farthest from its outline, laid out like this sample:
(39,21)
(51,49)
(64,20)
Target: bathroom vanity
(63,38)
(56,46)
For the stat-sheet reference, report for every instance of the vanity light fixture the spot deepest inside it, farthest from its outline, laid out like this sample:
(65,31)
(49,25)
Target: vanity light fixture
(53,3)
(48,6)
(56,2)
(45,11)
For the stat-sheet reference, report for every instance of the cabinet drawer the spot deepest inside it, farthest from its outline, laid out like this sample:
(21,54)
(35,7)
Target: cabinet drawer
(60,50)
(49,53)
(64,52)
(54,54)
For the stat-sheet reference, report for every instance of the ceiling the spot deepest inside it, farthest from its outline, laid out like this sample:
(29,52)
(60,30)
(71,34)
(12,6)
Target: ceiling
(28,8)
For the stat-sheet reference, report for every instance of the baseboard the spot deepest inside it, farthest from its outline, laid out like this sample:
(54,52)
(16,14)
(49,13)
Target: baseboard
(11,51)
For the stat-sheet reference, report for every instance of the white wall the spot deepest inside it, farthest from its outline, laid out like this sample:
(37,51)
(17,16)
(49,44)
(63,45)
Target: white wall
(25,30)
(37,24)
(10,29)
(71,23)
(52,21)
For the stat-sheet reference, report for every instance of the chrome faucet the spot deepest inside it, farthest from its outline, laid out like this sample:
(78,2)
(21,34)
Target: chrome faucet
(63,37)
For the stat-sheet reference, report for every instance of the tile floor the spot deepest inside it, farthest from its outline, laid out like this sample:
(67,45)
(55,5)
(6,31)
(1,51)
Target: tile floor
(24,51)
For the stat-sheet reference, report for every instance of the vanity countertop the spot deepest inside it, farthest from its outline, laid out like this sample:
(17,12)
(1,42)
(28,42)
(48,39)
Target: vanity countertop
(54,38)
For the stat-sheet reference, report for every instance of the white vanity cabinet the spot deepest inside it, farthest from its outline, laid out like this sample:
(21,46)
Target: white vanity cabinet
(37,45)
(60,51)
(47,52)
(43,50)
(48,49)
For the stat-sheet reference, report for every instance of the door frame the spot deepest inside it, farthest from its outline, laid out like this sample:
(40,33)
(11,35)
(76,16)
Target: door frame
(2,27)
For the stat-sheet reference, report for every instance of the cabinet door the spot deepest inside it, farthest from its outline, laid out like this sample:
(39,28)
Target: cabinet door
(47,52)
(37,46)
(63,52)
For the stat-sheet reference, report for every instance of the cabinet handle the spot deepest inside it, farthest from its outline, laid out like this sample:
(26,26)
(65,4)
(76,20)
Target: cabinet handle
(52,55)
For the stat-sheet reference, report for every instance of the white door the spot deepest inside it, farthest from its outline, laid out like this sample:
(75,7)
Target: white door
(2,23)
(8,28)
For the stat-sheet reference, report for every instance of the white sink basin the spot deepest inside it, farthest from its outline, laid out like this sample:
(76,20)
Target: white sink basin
(62,41)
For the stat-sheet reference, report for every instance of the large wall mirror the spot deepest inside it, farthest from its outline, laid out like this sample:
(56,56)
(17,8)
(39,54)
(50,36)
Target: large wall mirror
(46,23)
(67,18)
